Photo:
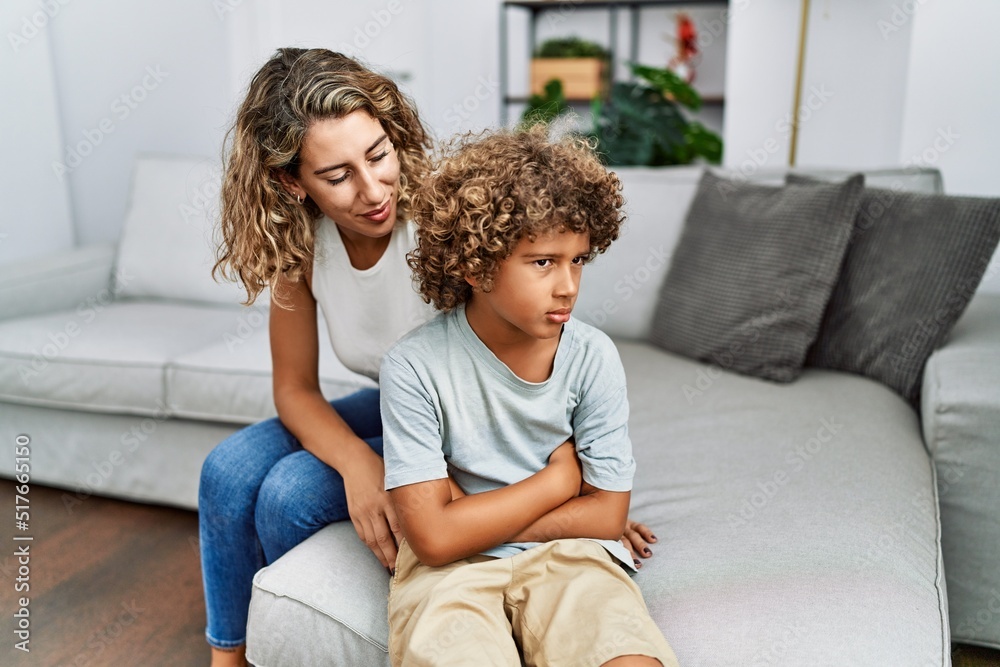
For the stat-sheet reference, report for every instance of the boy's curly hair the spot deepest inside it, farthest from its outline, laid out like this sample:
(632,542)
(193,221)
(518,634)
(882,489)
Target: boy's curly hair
(492,190)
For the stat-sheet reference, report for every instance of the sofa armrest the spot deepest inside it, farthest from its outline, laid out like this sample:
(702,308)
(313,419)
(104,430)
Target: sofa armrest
(61,281)
(960,415)
(961,392)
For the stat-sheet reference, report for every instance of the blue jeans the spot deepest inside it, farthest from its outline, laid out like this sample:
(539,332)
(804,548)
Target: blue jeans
(261,494)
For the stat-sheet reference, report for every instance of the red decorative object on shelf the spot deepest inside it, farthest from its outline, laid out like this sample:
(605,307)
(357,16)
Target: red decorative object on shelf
(686,60)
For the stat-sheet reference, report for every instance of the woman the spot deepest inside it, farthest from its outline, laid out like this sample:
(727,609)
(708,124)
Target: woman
(322,160)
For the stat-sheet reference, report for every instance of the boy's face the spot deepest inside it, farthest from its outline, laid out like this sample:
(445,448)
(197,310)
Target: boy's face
(534,290)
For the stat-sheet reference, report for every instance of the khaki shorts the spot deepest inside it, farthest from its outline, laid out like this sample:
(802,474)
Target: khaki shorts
(566,602)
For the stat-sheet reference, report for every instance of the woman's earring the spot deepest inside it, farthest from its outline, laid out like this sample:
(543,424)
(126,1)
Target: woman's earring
(298,199)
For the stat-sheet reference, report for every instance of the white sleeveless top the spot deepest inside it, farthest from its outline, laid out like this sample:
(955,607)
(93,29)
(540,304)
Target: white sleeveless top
(368,310)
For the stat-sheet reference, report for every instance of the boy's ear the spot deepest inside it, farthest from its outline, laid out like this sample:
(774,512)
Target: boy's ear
(473,283)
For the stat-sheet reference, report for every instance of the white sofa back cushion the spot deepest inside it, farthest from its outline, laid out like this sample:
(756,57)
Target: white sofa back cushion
(167,248)
(619,290)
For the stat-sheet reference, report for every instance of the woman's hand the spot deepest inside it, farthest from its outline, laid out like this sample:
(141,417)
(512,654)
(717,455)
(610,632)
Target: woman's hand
(635,540)
(371,510)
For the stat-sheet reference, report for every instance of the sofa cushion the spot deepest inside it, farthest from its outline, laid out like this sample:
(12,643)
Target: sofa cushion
(797,525)
(324,602)
(620,289)
(230,379)
(913,263)
(961,422)
(55,282)
(104,356)
(167,249)
(752,273)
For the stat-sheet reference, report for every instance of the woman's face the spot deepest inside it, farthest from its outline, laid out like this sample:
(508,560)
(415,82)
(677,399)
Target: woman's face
(351,170)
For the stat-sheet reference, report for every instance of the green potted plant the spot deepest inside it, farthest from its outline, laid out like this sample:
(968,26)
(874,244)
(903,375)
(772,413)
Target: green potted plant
(641,122)
(580,65)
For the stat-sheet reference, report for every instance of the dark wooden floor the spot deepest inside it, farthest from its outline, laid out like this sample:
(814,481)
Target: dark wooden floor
(974,656)
(118,583)
(112,583)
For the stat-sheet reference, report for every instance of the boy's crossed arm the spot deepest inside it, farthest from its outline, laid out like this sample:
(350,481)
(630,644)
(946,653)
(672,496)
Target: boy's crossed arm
(440,529)
(594,513)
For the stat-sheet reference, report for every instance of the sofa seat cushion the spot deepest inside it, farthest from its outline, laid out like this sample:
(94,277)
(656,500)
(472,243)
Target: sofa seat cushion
(961,421)
(104,356)
(797,525)
(230,379)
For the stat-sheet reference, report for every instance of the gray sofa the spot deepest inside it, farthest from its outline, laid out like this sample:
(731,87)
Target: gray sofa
(798,523)
(126,364)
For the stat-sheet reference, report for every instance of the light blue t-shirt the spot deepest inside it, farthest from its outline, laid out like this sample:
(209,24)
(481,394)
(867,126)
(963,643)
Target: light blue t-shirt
(449,405)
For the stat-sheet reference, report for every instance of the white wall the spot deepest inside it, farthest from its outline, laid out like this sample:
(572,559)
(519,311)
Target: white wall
(852,89)
(859,70)
(955,92)
(388,35)
(463,66)
(424,45)
(35,217)
(134,77)
(759,83)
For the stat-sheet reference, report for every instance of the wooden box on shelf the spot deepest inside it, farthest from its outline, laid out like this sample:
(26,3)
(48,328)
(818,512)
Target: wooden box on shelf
(582,78)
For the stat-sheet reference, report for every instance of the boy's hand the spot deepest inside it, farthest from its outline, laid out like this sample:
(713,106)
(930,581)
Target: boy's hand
(566,464)
(635,540)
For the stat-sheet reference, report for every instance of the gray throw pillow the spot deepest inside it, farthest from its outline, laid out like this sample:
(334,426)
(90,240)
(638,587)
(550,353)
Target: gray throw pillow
(752,273)
(913,262)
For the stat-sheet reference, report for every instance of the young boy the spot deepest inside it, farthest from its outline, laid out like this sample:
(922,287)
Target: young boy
(511,397)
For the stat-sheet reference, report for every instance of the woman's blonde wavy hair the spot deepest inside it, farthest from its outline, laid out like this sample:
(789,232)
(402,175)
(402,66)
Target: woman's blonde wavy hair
(492,190)
(265,232)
